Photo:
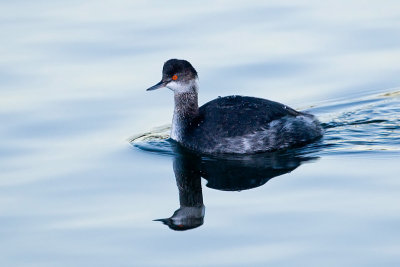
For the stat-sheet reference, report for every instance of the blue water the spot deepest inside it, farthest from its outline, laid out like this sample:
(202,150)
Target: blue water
(74,191)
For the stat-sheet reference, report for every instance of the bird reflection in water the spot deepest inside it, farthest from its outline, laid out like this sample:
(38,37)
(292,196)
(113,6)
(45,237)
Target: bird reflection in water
(227,173)
(187,173)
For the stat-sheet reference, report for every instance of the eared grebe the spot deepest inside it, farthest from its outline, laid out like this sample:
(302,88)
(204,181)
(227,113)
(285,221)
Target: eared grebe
(231,124)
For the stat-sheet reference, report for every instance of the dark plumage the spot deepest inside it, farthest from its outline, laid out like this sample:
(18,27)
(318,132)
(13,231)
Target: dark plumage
(232,124)
(248,113)
(174,66)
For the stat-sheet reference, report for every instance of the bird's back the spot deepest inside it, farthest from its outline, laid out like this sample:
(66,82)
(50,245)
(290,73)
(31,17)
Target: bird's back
(233,116)
(239,124)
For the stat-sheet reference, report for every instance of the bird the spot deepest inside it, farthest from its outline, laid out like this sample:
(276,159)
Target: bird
(232,124)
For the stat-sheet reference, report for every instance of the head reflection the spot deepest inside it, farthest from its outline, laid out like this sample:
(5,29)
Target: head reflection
(228,173)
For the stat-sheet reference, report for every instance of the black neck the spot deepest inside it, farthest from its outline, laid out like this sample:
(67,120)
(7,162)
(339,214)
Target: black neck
(186,105)
(186,111)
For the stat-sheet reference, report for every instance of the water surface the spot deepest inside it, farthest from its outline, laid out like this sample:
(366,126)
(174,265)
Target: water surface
(75,192)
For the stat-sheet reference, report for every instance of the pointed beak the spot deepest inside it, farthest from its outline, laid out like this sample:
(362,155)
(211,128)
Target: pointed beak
(164,221)
(159,85)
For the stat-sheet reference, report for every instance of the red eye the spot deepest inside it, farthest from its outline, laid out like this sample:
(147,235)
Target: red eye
(175,77)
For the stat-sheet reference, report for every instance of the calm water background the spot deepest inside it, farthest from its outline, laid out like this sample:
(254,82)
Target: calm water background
(74,192)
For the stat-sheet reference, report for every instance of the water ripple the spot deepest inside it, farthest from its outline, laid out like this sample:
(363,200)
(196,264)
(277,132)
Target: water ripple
(360,125)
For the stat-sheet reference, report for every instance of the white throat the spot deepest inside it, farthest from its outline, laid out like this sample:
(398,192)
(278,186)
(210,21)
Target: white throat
(183,87)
